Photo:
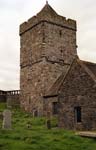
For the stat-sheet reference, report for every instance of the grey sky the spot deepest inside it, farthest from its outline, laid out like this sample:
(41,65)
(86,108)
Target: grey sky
(14,12)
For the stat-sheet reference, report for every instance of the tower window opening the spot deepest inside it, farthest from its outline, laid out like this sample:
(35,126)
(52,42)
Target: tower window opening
(60,33)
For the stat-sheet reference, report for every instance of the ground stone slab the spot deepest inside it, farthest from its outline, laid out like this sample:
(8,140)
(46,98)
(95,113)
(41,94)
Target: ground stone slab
(87,134)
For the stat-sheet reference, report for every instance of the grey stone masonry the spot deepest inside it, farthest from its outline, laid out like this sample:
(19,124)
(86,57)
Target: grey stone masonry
(47,47)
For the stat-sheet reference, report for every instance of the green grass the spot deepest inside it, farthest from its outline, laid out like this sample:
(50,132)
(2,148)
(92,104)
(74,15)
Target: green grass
(31,134)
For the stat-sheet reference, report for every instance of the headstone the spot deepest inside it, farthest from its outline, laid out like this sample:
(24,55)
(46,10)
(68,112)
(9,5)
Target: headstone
(35,113)
(48,121)
(9,103)
(7,119)
(1,115)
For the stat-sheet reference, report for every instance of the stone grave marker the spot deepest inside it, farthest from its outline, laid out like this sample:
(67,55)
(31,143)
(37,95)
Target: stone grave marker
(7,119)
(1,116)
(48,121)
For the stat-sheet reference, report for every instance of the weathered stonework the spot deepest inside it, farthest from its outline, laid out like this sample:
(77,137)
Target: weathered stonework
(48,105)
(48,46)
(78,90)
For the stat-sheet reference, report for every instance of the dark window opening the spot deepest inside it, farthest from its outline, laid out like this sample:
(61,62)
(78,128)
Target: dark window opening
(61,51)
(55,108)
(60,33)
(43,40)
(29,100)
(78,114)
(36,113)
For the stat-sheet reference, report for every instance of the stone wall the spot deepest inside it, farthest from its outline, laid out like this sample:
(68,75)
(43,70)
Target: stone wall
(48,45)
(2,96)
(48,104)
(77,90)
(13,98)
(40,77)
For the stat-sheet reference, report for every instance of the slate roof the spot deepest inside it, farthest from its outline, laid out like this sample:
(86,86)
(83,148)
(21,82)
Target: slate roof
(53,91)
(89,67)
(46,10)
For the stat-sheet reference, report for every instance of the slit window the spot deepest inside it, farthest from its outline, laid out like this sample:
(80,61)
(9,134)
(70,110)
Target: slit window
(55,108)
(78,114)
(60,33)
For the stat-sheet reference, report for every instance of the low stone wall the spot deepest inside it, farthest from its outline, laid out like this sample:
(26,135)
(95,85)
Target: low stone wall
(12,98)
(2,98)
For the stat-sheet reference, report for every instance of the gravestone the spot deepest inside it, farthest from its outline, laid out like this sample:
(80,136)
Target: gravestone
(1,115)
(48,121)
(7,119)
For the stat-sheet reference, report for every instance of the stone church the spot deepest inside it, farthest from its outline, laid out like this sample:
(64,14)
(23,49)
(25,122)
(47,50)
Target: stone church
(48,46)
(52,78)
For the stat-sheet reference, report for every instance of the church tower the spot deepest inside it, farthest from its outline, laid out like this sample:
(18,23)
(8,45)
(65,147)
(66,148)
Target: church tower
(47,48)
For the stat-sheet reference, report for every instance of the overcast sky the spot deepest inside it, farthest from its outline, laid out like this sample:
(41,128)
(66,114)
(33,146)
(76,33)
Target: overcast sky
(14,12)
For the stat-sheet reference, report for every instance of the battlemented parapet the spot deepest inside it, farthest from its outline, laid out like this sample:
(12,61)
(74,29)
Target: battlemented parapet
(47,14)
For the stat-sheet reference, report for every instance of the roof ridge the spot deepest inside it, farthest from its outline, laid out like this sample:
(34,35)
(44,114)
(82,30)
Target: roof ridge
(60,83)
(57,80)
(87,69)
(47,8)
(75,58)
(88,62)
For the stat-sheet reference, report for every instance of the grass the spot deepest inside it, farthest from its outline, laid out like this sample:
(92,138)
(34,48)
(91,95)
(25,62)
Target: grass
(31,134)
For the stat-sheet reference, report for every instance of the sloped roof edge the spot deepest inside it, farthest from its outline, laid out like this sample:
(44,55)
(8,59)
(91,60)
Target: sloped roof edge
(62,77)
(89,72)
